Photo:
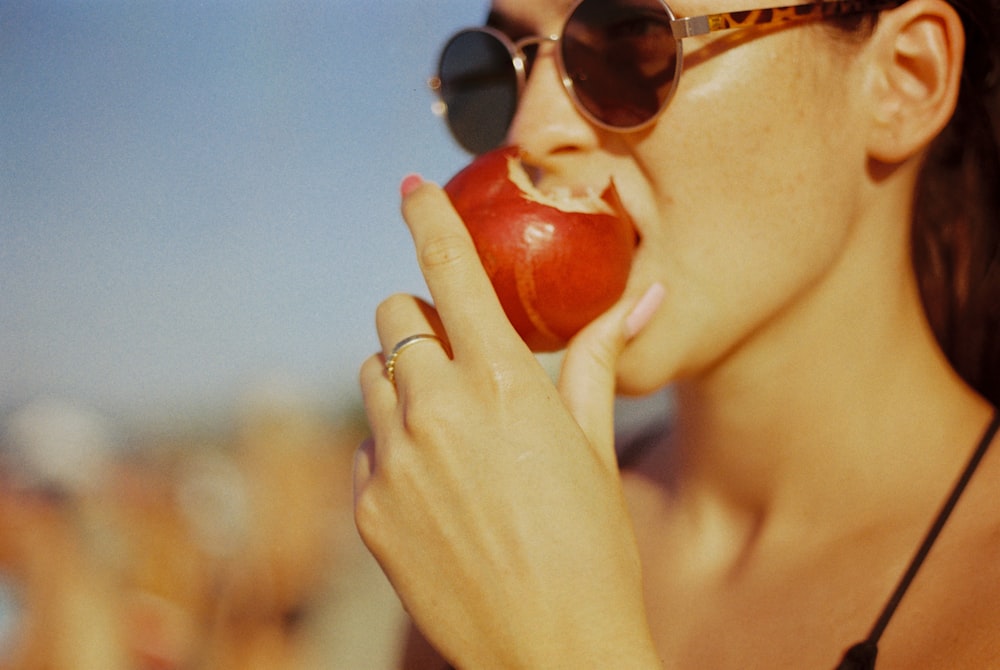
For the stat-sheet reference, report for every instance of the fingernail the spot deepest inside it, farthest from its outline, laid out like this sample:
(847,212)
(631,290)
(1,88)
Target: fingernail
(644,310)
(410,184)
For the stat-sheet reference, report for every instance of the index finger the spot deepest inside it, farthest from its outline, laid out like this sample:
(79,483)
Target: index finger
(460,288)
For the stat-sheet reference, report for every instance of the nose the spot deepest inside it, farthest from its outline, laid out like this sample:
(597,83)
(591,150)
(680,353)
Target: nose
(547,125)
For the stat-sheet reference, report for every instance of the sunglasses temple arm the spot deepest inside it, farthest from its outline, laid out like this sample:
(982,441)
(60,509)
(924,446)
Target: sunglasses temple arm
(710,23)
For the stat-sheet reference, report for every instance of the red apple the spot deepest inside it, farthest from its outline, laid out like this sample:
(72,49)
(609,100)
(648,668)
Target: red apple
(556,260)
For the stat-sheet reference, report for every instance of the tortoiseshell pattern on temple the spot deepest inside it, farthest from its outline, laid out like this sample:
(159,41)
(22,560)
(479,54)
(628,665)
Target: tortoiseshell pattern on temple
(710,23)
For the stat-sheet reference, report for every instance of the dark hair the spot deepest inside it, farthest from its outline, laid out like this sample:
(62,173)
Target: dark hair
(956,228)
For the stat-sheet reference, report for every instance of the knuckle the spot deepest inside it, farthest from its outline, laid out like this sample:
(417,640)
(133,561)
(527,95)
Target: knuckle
(501,381)
(422,420)
(445,250)
(432,423)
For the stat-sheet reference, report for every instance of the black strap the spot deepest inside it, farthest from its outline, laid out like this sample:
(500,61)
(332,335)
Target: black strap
(862,655)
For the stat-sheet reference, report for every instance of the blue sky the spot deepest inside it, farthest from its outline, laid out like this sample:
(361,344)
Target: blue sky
(195,196)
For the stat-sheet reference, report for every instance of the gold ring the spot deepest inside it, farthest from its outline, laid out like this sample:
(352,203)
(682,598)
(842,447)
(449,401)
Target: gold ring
(390,362)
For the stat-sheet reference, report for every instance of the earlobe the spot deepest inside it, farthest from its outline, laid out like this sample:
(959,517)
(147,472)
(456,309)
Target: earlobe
(918,50)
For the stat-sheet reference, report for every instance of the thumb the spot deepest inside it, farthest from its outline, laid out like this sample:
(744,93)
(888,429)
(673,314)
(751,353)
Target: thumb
(587,377)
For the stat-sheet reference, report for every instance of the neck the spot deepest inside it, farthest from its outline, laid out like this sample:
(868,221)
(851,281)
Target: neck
(826,410)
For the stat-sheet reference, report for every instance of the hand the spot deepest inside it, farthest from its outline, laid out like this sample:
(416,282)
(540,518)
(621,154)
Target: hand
(490,498)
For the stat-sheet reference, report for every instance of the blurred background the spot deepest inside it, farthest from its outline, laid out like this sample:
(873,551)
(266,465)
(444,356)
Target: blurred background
(198,216)
(197,195)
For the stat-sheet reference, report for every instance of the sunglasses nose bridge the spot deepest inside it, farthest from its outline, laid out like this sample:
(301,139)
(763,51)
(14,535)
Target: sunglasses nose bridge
(532,40)
(518,53)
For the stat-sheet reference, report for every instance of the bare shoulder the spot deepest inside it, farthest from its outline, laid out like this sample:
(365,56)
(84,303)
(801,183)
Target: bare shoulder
(977,518)
(970,551)
(951,618)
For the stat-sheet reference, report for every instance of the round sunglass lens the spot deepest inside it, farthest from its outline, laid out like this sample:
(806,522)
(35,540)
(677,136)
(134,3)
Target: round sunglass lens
(478,85)
(621,58)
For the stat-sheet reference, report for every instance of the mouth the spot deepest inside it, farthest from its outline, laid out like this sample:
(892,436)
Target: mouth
(536,186)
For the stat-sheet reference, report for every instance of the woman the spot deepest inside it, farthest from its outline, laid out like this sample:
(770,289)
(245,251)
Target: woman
(818,425)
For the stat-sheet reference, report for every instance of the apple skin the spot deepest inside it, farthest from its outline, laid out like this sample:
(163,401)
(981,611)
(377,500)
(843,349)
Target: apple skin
(554,270)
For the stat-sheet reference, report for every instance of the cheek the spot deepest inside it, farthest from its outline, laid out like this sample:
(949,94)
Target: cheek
(754,208)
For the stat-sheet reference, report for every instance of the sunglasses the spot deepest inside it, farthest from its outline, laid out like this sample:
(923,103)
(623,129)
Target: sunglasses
(619,61)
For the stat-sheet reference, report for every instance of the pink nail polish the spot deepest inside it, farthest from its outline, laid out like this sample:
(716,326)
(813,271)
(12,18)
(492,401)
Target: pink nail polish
(644,310)
(410,184)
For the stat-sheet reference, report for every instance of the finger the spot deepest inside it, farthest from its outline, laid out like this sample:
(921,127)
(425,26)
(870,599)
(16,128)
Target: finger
(380,407)
(378,396)
(402,315)
(587,379)
(413,341)
(363,467)
(463,295)
(364,473)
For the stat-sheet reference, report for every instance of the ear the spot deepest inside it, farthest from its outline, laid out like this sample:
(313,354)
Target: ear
(917,51)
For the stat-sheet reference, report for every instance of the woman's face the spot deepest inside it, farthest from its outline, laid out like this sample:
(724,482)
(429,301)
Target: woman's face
(744,191)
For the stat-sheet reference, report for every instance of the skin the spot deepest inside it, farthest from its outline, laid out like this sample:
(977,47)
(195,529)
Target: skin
(817,428)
